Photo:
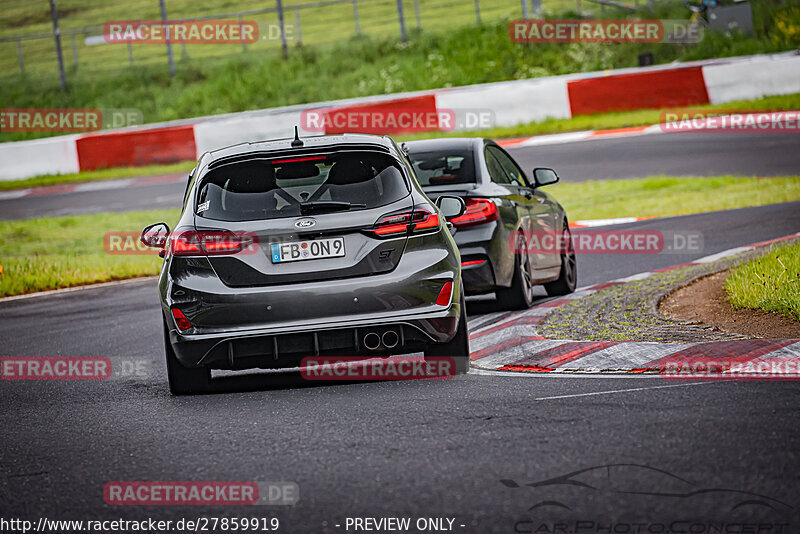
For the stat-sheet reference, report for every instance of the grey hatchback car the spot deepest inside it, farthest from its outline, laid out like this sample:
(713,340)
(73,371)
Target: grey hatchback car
(294,248)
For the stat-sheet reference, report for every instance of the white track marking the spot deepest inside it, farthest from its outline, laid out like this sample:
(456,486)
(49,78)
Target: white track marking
(614,391)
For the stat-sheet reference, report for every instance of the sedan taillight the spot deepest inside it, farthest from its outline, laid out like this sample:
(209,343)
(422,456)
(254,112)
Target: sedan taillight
(211,242)
(479,211)
(419,220)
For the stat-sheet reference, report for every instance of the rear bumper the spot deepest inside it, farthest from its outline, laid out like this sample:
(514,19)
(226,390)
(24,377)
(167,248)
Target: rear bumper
(285,347)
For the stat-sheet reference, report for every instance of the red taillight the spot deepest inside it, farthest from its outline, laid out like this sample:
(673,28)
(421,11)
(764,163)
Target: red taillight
(419,220)
(472,262)
(479,211)
(444,295)
(211,242)
(180,320)
(216,243)
(186,244)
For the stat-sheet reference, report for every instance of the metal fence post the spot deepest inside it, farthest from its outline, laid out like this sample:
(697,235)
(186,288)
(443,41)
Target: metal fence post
(416,12)
(401,18)
(478,12)
(57,36)
(355,16)
(525,9)
(19,53)
(169,39)
(284,48)
(130,53)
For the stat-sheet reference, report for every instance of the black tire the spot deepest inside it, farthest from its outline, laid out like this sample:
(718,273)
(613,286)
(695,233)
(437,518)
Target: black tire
(520,295)
(458,347)
(568,276)
(184,380)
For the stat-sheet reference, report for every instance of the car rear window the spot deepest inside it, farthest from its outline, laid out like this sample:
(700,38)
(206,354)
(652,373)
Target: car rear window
(278,187)
(443,167)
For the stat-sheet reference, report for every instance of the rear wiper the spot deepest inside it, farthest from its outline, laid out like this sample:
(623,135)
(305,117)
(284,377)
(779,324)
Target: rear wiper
(327,205)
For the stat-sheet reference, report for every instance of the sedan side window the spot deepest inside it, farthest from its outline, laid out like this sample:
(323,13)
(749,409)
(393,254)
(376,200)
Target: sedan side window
(511,168)
(496,171)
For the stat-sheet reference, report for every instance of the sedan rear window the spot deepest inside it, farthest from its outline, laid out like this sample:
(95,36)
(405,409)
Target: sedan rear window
(443,167)
(293,186)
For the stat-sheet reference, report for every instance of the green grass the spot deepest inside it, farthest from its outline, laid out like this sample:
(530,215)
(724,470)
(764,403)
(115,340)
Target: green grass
(663,196)
(586,122)
(99,175)
(41,254)
(770,283)
(52,253)
(442,55)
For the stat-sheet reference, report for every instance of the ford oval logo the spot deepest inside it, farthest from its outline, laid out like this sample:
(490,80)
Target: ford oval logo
(305,223)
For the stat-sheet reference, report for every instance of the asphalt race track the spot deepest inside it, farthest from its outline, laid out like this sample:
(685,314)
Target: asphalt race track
(415,449)
(686,453)
(680,154)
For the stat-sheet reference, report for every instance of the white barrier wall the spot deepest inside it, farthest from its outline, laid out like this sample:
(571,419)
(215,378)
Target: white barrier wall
(513,103)
(214,134)
(746,80)
(26,159)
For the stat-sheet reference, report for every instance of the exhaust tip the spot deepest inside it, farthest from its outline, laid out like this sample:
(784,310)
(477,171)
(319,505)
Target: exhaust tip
(372,341)
(390,339)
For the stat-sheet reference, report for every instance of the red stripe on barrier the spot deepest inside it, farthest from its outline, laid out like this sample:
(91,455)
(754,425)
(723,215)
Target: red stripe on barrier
(133,149)
(383,114)
(505,345)
(656,89)
(561,354)
(737,351)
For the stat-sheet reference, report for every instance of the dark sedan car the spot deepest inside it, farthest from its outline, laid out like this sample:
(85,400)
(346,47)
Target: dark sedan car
(293,248)
(513,235)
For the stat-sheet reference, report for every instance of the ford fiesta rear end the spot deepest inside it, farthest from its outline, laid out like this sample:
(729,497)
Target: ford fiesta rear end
(288,252)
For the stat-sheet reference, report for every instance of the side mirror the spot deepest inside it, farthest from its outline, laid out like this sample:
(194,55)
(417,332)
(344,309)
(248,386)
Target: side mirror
(544,176)
(451,207)
(155,235)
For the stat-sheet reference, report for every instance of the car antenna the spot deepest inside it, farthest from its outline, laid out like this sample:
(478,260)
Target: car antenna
(297,142)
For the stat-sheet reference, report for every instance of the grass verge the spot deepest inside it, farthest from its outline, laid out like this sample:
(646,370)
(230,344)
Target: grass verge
(52,253)
(447,55)
(58,252)
(96,176)
(600,121)
(664,196)
(770,283)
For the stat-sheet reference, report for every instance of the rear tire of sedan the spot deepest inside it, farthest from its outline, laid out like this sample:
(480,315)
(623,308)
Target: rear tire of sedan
(568,276)
(184,380)
(457,348)
(520,295)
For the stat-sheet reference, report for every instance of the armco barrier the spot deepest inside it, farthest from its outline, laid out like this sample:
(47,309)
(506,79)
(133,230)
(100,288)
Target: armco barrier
(135,148)
(513,102)
(641,90)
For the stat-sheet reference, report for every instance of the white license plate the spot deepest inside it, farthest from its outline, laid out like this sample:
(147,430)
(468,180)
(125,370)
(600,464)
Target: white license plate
(307,250)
